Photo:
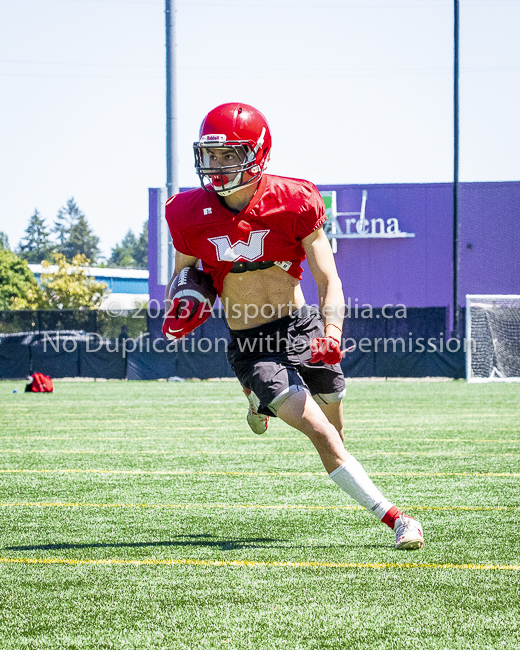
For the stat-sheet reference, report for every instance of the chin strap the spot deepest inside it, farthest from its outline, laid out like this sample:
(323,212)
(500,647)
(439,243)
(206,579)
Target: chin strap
(254,179)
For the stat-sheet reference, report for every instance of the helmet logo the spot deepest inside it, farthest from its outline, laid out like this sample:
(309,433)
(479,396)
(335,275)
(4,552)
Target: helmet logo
(260,140)
(213,138)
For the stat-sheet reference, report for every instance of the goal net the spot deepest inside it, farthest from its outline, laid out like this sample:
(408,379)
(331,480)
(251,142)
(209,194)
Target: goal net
(492,338)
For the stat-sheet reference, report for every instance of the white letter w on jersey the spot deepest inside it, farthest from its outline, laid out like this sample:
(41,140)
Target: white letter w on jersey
(228,252)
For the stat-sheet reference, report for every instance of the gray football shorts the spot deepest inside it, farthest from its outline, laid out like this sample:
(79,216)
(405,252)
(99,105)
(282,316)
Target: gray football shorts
(272,360)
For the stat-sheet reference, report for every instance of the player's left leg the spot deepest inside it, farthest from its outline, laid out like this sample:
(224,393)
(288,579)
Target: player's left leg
(301,412)
(257,422)
(334,414)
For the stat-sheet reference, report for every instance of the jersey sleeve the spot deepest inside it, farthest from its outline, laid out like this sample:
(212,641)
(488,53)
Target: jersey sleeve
(312,213)
(173,218)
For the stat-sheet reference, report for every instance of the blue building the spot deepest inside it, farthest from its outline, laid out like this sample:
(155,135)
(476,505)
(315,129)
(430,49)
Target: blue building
(128,287)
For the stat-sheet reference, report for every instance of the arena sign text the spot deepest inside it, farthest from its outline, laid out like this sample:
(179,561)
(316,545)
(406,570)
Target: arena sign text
(355,225)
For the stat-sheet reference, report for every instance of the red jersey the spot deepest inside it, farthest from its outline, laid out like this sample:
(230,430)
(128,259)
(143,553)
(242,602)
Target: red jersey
(280,215)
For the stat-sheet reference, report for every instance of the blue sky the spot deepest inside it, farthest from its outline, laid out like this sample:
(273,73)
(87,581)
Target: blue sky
(355,92)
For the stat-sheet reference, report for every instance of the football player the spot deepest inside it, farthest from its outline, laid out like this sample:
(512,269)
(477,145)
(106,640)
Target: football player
(251,231)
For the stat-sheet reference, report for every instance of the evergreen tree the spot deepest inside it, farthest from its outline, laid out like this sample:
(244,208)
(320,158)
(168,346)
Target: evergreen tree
(75,236)
(36,245)
(65,219)
(132,252)
(141,249)
(123,253)
(82,241)
(4,242)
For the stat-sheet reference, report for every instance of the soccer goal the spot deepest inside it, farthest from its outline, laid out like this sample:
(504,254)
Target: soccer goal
(492,338)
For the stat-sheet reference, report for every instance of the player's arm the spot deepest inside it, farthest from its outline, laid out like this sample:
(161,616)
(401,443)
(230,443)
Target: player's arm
(323,268)
(182,261)
(330,294)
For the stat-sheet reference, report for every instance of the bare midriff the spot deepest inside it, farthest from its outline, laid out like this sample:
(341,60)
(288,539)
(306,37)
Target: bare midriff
(253,298)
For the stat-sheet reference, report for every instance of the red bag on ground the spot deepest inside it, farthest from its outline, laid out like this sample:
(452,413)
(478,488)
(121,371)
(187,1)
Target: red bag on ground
(40,384)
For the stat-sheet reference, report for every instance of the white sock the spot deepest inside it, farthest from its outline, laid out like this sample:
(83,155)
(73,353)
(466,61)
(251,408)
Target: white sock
(352,478)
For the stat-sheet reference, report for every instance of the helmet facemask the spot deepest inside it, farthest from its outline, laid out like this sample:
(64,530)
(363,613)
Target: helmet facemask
(248,163)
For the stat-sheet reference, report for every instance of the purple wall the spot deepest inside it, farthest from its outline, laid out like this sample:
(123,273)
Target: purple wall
(489,238)
(412,271)
(156,291)
(417,272)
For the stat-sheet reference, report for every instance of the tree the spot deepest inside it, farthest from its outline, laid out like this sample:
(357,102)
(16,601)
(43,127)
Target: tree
(65,219)
(141,249)
(132,252)
(69,287)
(36,245)
(82,241)
(4,241)
(18,286)
(123,253)
(75,236)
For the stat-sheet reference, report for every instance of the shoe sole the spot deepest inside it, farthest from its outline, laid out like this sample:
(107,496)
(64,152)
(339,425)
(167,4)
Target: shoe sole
(411,545)
(258,433)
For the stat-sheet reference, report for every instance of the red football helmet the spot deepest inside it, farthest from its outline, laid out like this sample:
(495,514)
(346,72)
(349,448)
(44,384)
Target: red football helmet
(233,148)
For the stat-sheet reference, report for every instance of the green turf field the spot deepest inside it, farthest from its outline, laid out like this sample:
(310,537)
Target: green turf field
(146,515)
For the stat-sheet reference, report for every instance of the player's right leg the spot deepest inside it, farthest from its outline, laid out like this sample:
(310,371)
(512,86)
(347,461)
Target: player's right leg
(301,412)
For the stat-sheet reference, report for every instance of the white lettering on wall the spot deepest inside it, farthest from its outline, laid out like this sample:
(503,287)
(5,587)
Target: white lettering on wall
(357,226)
(360,228)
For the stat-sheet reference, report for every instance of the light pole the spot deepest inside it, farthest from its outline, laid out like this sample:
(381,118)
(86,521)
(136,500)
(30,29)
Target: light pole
(456,310)
(172,182)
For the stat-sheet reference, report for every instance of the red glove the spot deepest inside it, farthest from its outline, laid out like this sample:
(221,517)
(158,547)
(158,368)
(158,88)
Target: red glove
(181,320)
(327,349)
